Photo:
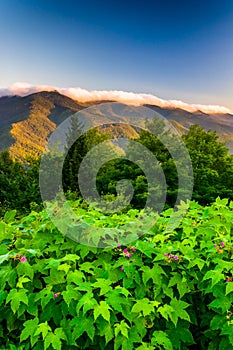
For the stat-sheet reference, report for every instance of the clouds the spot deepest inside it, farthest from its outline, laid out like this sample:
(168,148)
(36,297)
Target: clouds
(82,95)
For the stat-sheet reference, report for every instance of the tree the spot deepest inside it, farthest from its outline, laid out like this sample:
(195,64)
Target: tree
(212,165)
(140,168)
(157,138)
(19,184)
(78,145)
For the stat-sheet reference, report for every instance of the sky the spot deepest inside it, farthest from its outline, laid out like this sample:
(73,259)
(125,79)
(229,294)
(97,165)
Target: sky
(173,50)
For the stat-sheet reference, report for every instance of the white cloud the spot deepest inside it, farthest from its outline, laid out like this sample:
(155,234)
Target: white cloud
(82,95)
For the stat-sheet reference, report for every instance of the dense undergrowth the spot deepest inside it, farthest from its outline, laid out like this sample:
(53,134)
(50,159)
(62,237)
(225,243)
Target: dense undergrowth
(164,291)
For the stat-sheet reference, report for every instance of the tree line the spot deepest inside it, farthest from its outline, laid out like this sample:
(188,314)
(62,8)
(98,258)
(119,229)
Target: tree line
(211,162)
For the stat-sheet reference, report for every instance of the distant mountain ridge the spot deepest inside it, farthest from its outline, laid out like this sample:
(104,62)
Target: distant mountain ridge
(26,122)
(219,122)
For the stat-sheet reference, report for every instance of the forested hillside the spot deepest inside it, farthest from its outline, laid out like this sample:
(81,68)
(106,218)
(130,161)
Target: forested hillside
(26,122)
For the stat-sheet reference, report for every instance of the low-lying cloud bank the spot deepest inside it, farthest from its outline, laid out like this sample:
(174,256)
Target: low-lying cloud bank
(83,95)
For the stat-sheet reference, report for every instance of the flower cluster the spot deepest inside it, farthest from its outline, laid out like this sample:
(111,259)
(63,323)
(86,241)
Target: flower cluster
(20,258)
(171,257)
(219,248)
(127,252)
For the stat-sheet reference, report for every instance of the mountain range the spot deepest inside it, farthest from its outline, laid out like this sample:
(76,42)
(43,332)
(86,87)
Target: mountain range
(26,122)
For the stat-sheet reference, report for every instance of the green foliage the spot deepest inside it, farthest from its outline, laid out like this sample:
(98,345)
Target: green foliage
(78,145)
(139,167)
(116,170)
(212,165)
(212,169)
(19,184)
(174,291)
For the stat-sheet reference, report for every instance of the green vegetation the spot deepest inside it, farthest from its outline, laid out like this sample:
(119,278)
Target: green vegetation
(212,166)
(212,169)
(19,185)
(164,291)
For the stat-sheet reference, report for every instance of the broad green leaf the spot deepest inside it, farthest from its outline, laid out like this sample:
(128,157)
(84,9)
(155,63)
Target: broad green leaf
(146,248)
(102,309)
(43,328)
(75,277)
(70,294)
(45,295)
(179,307)
(108,333)
(179,336)
(33,251)
(229,287)
(55,339)
(30,327)
(221,303)
(166,311)
(2,230)
(123,291)
(64,267)
(145,306)
(103,284)
(9,216)
(182,286)
(81,325)
(122,328)
(25,269)
(155,274)
(70,257)
(218,322)
(4,257)
(3,295)
(16,297)
(161,338)
(87,267)
(22,280)
(87,301)
(214,275)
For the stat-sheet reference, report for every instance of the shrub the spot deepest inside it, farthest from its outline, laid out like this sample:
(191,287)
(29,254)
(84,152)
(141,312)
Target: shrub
(167,290)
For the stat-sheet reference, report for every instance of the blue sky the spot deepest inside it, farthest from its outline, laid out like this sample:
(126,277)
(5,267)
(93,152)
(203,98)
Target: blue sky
(173,49)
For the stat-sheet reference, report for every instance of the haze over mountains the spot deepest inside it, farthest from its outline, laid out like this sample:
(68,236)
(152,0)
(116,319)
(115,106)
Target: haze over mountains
(27,121)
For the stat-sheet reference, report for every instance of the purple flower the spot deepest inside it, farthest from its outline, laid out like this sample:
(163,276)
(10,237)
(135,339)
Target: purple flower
(122,268)
(222,244)
(229,279)
(119,245)
(176,257)
(55,295)
(125,251)
(170,255)
(128,255)
(165,254)
(215,245)
(23,259)
(133,249)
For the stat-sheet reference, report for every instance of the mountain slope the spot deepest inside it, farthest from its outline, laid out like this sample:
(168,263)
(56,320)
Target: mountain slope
(26,122)
(221,123)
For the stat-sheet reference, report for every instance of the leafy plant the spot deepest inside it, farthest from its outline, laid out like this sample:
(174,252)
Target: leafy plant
(164,291)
